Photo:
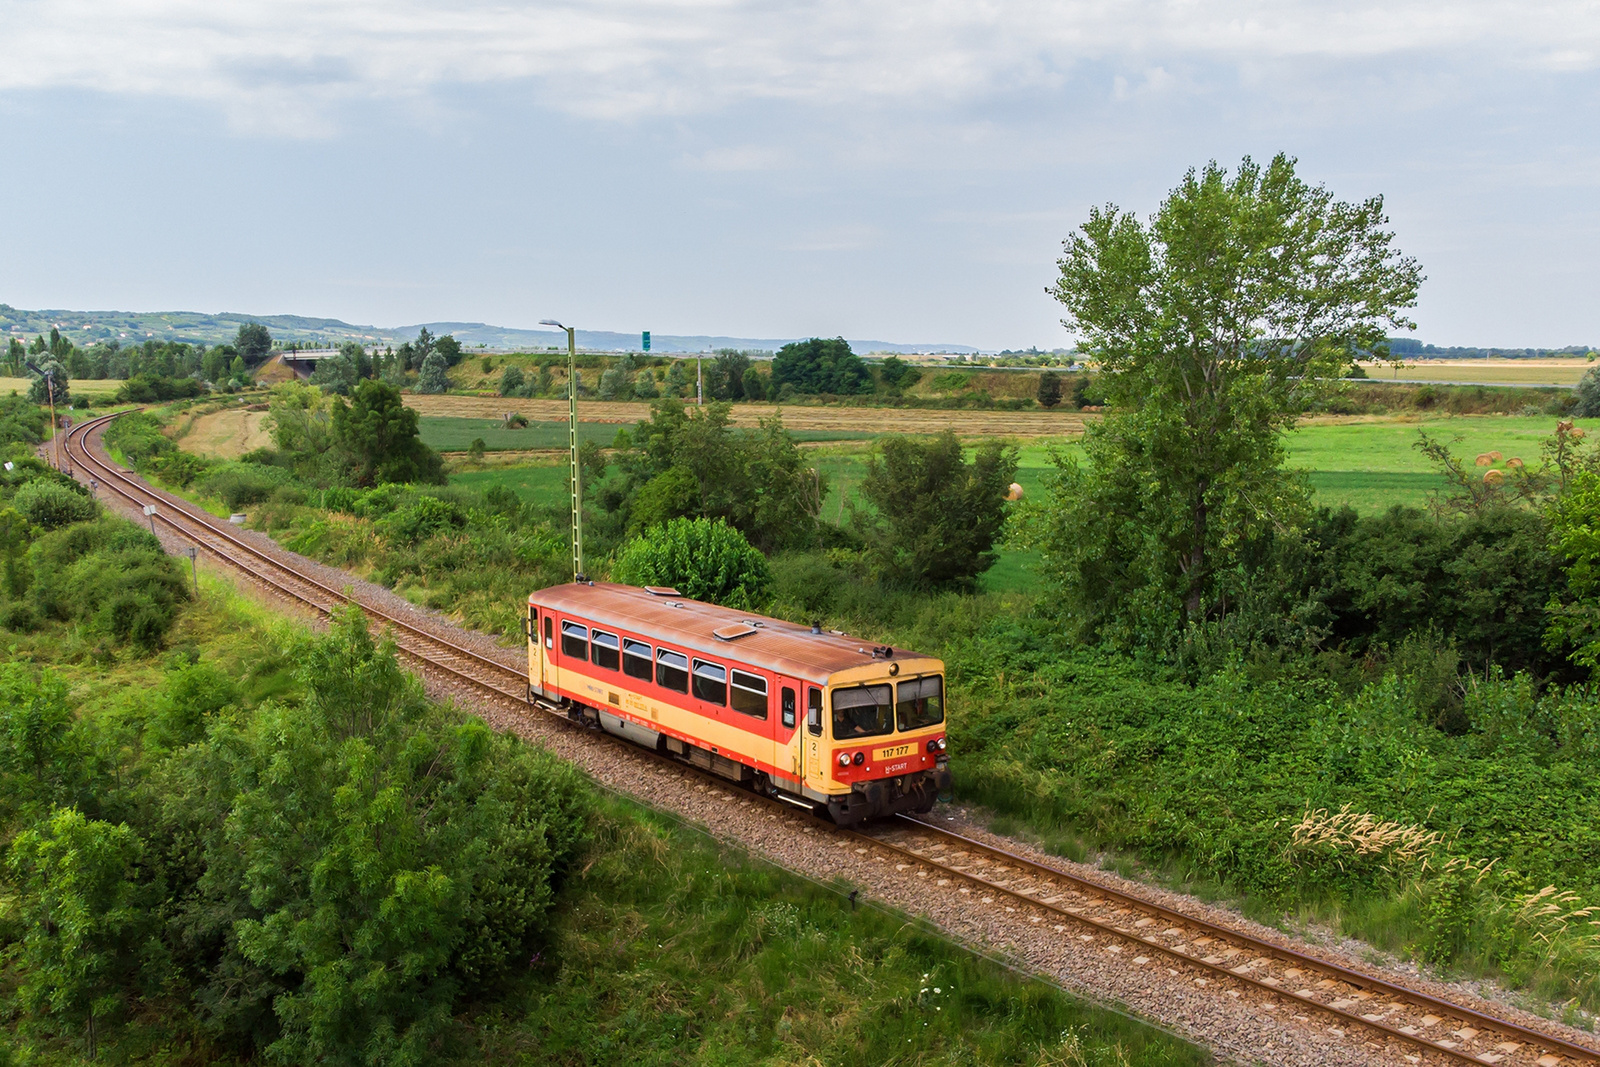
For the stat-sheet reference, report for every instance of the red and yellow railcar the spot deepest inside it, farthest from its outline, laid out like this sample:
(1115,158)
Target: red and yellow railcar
(814,717)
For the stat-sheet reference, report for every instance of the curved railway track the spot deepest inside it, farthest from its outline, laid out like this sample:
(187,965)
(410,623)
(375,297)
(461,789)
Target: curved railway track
(1367,1006)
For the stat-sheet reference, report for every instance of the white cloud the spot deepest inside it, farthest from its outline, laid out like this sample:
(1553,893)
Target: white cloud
(286,66)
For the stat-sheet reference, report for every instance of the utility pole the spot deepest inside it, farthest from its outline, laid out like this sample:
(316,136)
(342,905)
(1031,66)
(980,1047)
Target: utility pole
(572,443)
(699,383)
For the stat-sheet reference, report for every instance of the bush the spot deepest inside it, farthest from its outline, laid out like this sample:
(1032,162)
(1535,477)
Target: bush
(934,517)
(422,518)
(1588,395)
(51,505)
(240,484)
(511,381)
(148,389)
(702,559)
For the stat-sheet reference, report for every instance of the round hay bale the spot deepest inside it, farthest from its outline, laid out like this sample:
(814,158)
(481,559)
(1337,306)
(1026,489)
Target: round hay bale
(1493,477)
(1483,459)
(1497,456)
(1515,461)
(1015,492)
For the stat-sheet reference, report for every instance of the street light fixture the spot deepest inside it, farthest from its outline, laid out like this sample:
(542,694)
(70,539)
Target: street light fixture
(572,444)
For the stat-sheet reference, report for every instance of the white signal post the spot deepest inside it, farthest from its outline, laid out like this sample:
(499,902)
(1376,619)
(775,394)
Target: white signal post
(150,513)
(572,442)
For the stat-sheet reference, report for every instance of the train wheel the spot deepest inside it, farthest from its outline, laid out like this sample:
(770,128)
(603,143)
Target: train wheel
(761,784)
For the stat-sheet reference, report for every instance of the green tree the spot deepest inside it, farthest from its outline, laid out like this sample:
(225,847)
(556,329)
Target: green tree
(545,382)
(44,761)
(704,559)
(755,386)
(433,378)
(370,859)
(1211,325)
(897,374)
(253,343)
(1588,393)
(214,364)
(690,461)
(79,897)
(511,381)
(1049,393)
(821,366)
(448,347)
(933,518)
(40,391)
(725,374)
(376,437)
(300,420)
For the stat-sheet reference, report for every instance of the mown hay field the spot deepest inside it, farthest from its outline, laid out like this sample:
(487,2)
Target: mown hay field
(863,420)
(227,434)
(87,386)
(1485,371)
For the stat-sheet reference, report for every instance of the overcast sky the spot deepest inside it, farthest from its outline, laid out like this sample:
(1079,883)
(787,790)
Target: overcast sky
(897,170)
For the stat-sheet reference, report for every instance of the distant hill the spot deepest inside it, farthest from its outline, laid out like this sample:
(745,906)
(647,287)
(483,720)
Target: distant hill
(89,327)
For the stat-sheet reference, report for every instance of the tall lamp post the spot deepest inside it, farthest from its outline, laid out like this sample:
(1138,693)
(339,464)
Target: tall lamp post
(572,444)
(50,390)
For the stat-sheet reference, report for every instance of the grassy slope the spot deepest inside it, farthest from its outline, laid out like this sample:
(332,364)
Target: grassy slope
(669,948)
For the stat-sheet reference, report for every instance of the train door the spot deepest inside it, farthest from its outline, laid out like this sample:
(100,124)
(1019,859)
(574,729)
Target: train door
(786,753)
(814,760)
(547,655)
(535,653)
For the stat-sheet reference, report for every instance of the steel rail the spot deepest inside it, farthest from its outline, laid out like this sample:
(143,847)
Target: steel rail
(136,492)
(1259,947)
(139,493)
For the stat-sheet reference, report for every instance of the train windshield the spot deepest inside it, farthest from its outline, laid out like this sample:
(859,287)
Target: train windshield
(862,711)
(919,703)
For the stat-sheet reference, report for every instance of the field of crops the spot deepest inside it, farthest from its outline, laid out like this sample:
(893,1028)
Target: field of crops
(850,420)
(86,386)
(1486,371)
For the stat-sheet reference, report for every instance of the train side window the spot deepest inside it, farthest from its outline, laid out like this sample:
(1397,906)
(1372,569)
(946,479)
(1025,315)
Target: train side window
(672,670)
(549,632)
(788,707)
(814,711)
(604,647)
(635,659)
(574,640)
(749,694)
(711,683)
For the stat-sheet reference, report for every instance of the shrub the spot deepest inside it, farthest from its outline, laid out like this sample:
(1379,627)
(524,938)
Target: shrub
(51,505)
(422,518)
(1588,395)
(239,484)
(934,517)
(511,381)
(702,559)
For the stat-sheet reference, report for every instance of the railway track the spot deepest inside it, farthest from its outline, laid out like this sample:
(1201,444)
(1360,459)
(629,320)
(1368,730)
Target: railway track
(1363,1006)
(214,537)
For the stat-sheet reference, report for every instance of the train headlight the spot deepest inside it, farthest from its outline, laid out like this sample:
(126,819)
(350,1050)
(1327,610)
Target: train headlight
(844,759)
(933,744)
(861,757)
(941,744)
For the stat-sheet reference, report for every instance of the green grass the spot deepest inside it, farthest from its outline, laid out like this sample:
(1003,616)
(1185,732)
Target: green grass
(675,949)
(449,433)
(666,946)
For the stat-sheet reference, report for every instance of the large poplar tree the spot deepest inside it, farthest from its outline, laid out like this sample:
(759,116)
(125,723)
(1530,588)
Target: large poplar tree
(1211,325)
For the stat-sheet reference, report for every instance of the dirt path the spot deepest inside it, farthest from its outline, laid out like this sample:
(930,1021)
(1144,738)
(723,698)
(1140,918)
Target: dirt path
(869,420)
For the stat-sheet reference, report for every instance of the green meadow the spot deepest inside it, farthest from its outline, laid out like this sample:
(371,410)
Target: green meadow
(1369,465)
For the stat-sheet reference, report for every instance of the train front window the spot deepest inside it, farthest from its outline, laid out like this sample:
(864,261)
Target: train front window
(604,650)
(635,659)
(672,670)
(711,683)
(574,640)
(862,711)
(920,703)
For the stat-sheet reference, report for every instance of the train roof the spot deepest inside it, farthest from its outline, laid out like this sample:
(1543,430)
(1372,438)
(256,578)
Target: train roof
(779,646)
